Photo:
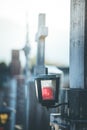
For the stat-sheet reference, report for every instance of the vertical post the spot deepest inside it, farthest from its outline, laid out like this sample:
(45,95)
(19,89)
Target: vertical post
(12,102)
(85,49)
(77,43)
(78,51)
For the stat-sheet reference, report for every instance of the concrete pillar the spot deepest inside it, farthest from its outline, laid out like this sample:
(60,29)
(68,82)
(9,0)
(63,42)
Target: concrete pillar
(78,44)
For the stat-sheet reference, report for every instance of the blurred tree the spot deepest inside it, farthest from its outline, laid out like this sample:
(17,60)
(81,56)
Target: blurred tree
(4,73)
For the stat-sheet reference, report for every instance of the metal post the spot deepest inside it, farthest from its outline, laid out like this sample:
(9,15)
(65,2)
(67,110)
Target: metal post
(12,103)
(78,50)
(77,43)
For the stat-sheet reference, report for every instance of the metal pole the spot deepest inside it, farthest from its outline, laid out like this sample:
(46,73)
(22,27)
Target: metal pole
(12,105)
(78,50)
(77,39)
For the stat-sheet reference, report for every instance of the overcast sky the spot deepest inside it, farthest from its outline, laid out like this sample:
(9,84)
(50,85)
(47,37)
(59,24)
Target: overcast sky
(57,20)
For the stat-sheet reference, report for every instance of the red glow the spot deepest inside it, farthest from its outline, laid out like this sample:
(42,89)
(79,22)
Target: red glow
(1,128)
(47,93)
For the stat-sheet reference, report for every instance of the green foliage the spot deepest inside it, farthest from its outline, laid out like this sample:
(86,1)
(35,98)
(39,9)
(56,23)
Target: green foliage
(4,72)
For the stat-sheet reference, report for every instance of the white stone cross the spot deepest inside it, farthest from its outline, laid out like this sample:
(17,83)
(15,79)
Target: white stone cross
(40,38)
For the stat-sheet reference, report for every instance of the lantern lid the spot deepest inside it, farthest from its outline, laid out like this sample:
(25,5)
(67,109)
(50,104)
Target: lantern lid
(47,76)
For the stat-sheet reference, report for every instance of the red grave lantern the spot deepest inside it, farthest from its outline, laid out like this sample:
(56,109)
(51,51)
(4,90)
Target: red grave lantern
(47,89)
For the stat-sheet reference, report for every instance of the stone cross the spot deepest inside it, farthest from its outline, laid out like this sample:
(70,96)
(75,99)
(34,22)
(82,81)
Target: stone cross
(40,38)
(26,50)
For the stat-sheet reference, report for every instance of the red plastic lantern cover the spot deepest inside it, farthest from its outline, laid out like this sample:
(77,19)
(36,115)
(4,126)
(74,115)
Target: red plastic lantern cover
(47,93)
(48,89)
